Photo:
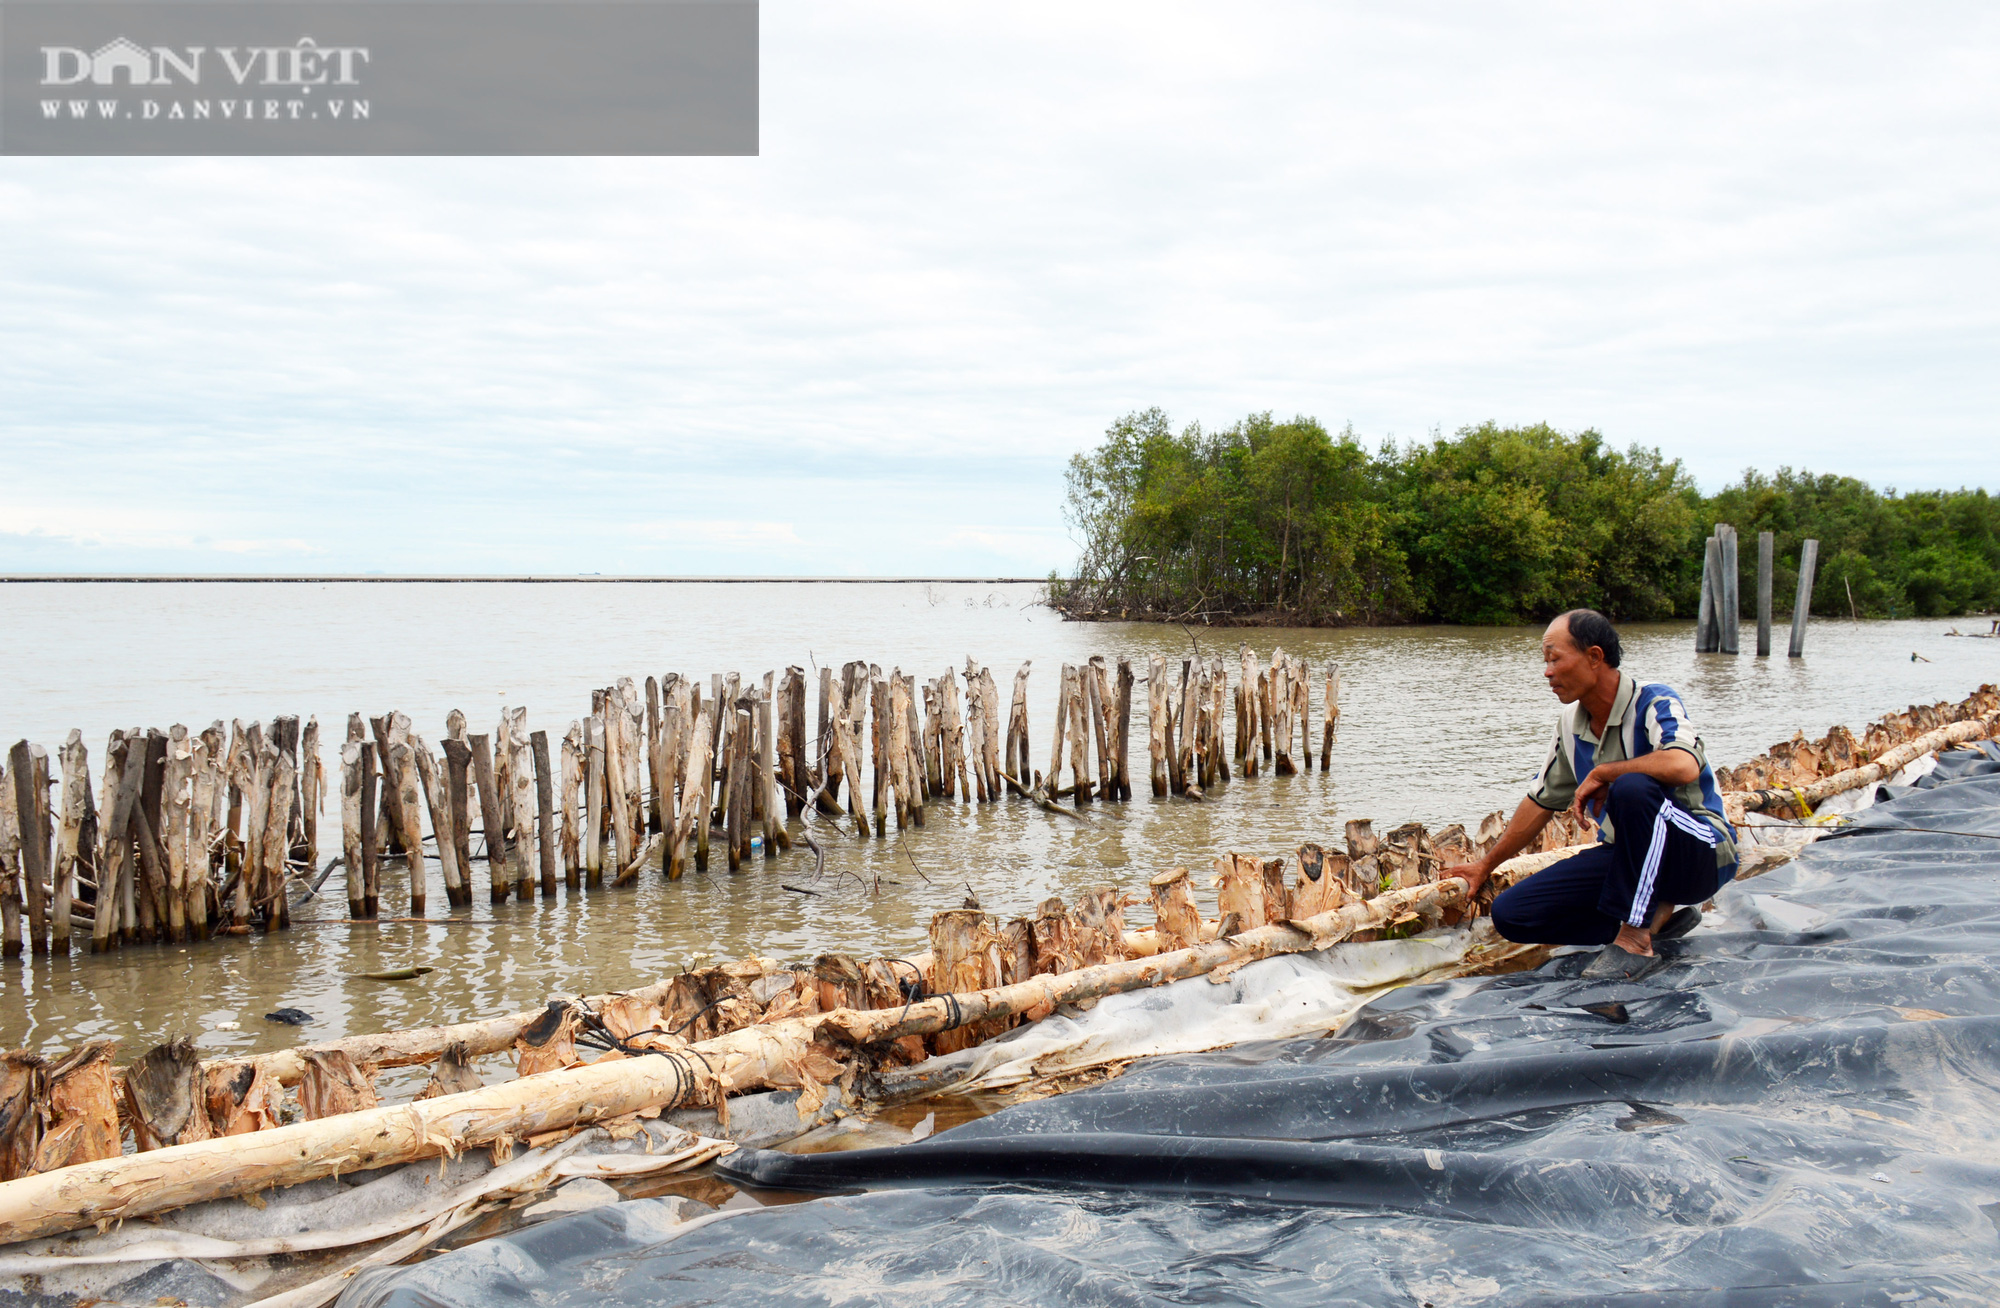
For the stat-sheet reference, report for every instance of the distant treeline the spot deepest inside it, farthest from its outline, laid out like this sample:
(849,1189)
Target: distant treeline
(1269,521)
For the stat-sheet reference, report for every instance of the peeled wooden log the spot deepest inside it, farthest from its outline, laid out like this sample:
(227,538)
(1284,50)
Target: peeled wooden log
(549,1042)
(166,1096)
(1891,762)
(116,1188)
(81,1107)
(956,1011)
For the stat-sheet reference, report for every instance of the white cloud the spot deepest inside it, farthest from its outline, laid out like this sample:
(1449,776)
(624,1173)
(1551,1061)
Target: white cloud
(1747,233)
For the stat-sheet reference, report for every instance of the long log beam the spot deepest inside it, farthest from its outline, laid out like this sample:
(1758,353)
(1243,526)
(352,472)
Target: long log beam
(1891,762)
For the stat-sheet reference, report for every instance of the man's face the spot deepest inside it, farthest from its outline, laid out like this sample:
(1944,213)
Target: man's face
(1568,670)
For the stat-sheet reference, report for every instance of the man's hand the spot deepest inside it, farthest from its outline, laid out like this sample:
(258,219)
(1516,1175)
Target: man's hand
(1473,874)
(1588,806)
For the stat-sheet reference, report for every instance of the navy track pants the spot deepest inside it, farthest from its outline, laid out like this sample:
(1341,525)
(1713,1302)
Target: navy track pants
(1663,855)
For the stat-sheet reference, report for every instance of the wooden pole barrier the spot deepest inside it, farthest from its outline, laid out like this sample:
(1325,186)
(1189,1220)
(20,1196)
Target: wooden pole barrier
(1802,605)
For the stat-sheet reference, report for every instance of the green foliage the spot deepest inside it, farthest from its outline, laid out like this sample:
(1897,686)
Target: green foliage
(1287,521)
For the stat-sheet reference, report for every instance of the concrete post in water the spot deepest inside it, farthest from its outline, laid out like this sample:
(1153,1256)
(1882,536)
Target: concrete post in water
(1730,596)
(1802,606)
(1707,628)
(1765,549)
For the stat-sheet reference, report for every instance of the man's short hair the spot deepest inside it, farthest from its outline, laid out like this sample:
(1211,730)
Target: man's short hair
(1588,627)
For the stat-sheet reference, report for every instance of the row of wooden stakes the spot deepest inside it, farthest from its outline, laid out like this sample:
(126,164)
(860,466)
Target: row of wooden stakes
(81,1107)
(204,831)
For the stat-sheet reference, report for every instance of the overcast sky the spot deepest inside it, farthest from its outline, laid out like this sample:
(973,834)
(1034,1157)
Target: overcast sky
(1747,234)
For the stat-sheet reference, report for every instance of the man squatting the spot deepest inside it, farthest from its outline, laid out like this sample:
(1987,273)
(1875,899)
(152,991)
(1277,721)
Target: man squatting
(1626,756)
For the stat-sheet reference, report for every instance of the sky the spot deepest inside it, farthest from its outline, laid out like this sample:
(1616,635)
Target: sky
(1749,234)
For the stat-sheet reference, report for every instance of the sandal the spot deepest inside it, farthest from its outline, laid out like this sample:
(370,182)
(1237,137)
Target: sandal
(1683,921)
(1615,964)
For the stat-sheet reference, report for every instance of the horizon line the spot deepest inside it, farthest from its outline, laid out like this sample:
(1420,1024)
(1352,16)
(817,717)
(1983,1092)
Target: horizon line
(594,578)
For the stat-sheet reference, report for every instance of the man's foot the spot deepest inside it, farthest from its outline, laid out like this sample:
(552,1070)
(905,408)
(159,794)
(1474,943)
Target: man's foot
(1683,921)
(1616,964)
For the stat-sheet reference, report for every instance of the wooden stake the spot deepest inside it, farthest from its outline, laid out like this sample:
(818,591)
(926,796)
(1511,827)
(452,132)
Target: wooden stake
(527,816)
(312,782)
(594,804)
(456,780)
(1158,729)
(436,782)
(545,803)
(1079,734)
(572,832)
(490,821)
(1017,759)
(71,846)
(1122,737)
(177,793)
(10,871)
(351,826)
(1332,716)
(775,802)
(371,839)
(392,781)
(653,759)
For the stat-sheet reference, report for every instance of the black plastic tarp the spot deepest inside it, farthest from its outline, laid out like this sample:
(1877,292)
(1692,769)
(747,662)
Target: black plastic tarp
(1802,1107)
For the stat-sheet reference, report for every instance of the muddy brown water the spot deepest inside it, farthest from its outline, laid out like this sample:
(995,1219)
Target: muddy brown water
(1437,725)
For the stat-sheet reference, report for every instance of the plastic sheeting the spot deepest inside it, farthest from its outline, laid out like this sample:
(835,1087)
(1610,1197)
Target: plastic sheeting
(1778,1114)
